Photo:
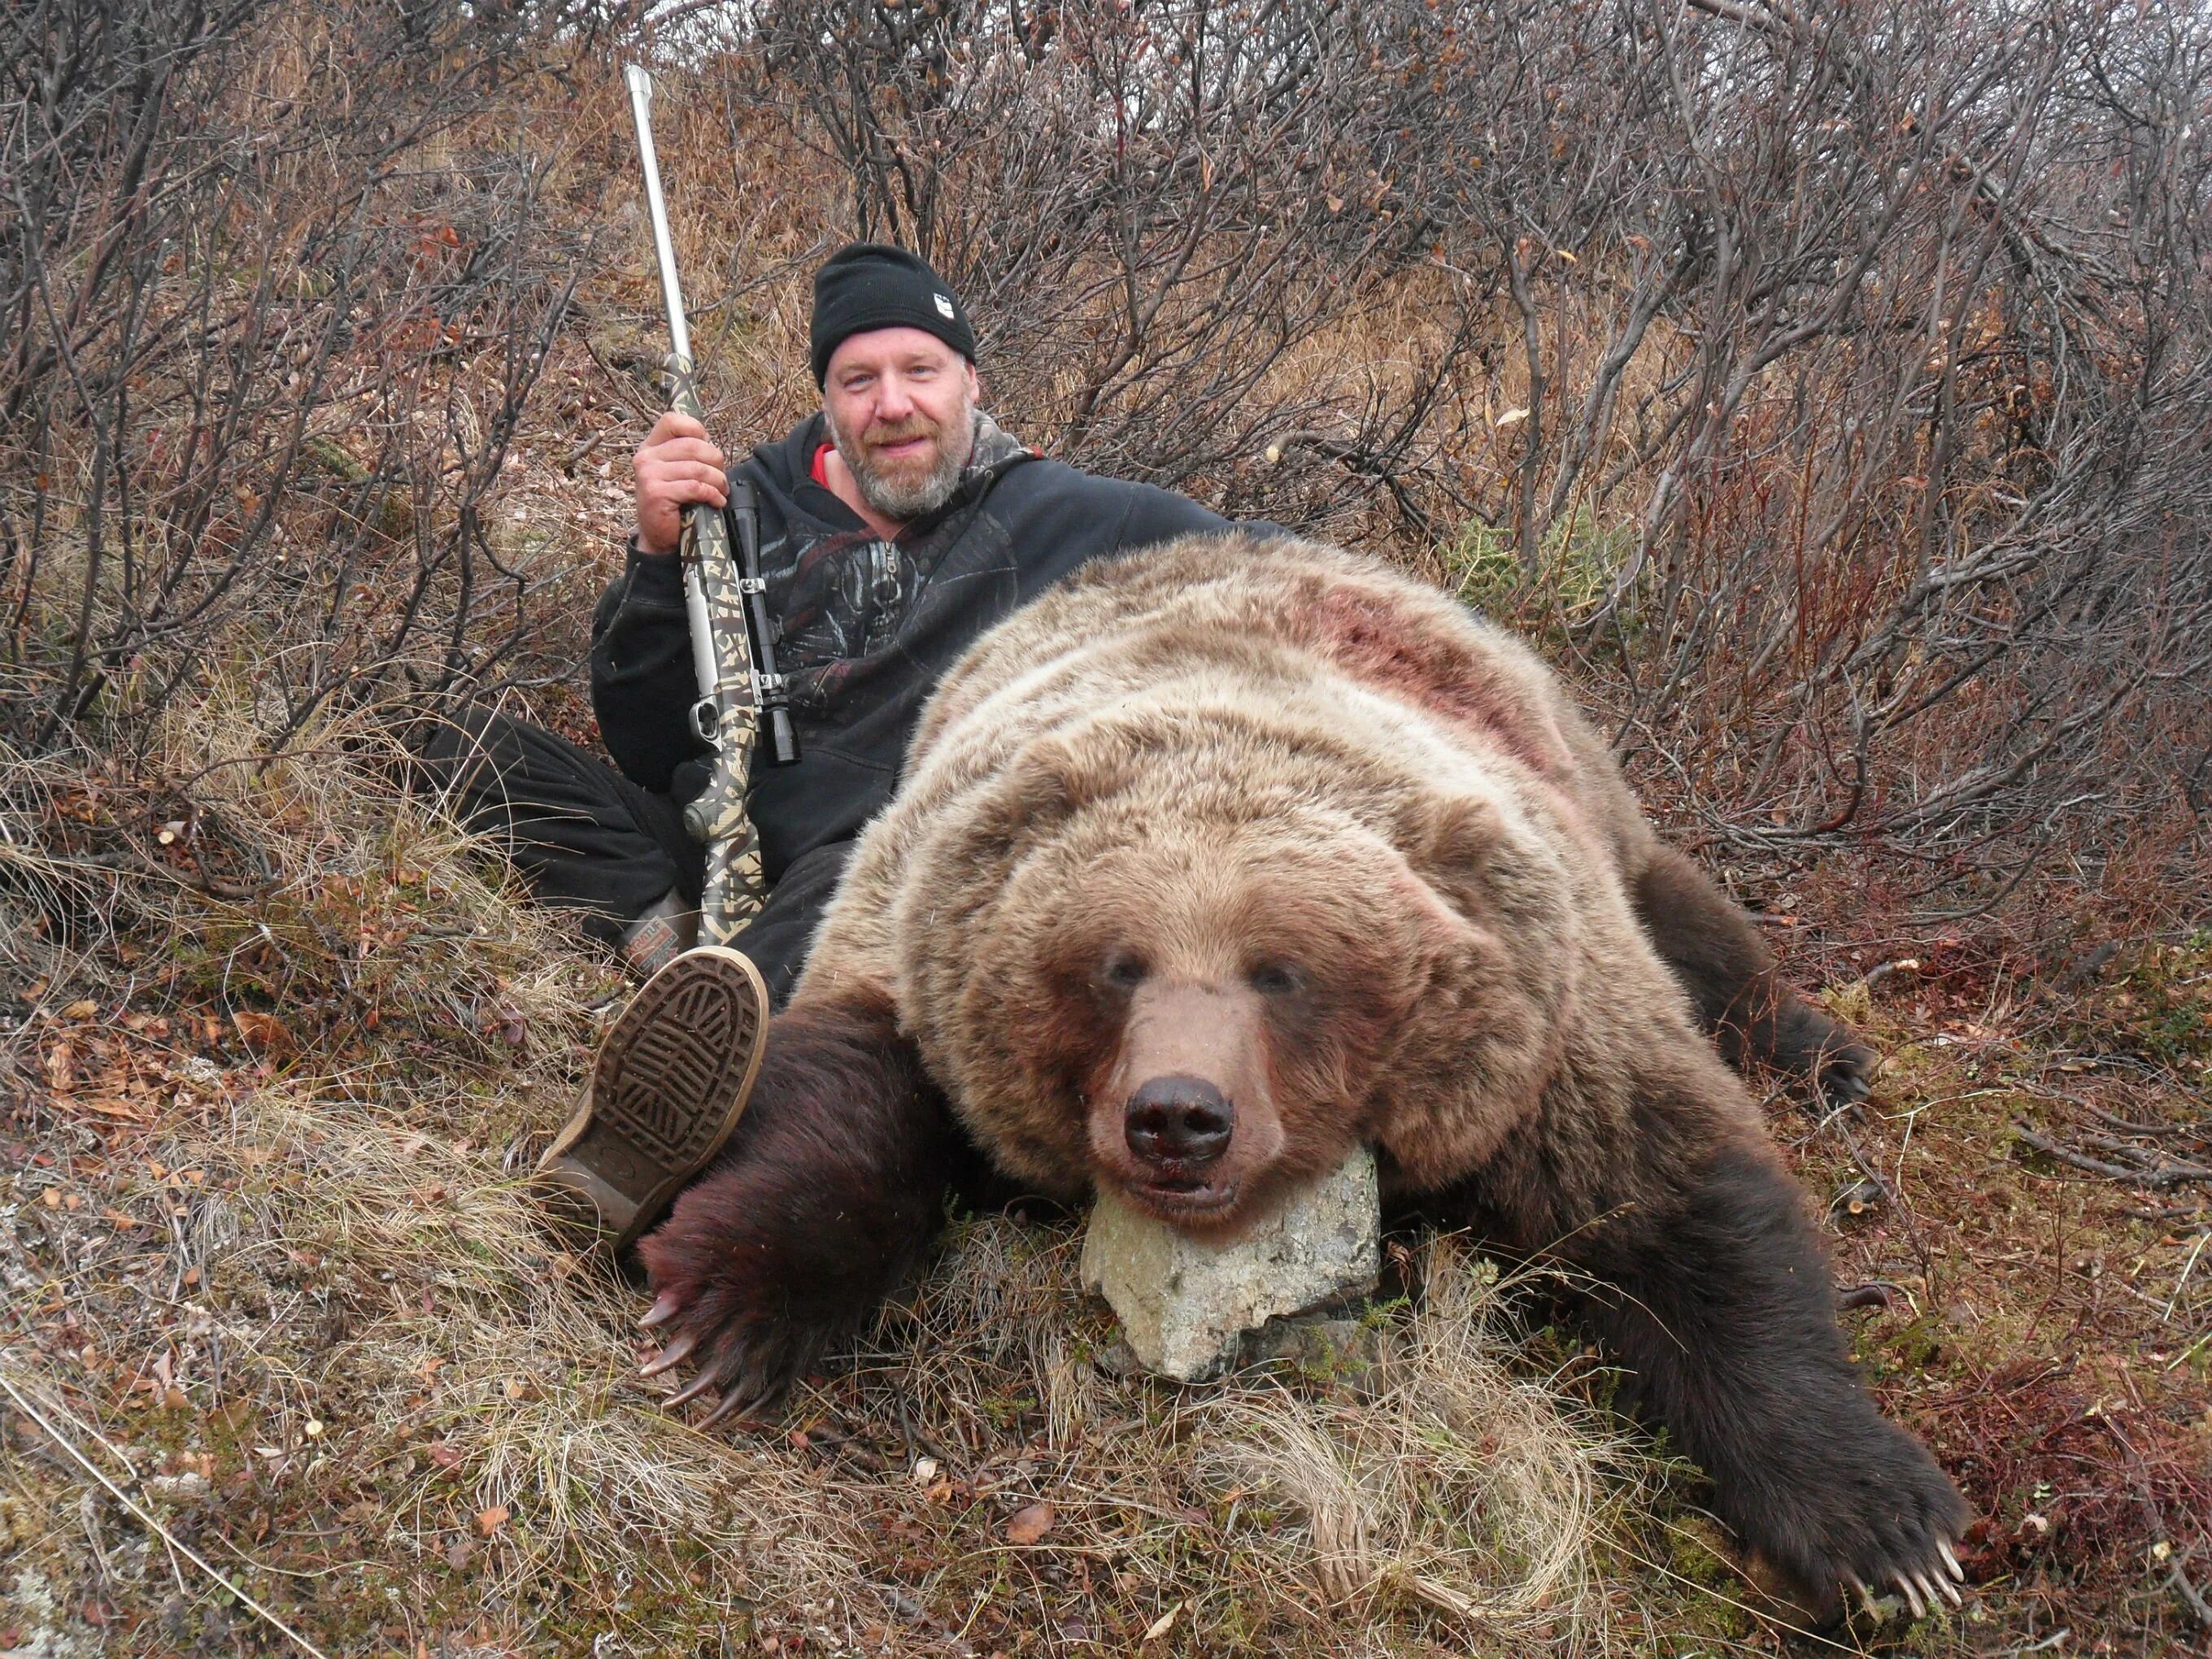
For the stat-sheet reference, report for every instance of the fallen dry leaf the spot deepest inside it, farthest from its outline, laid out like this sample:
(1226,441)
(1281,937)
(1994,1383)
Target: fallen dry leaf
(1161,1626)
(491,1520)
(109,1106)
(1029,1524)
(264,1033)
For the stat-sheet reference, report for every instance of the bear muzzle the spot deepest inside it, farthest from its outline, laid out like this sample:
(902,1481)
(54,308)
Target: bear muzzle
(1184,1124)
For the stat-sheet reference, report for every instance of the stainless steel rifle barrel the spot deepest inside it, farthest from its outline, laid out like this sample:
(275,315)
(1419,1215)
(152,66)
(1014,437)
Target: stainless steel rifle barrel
(641,109)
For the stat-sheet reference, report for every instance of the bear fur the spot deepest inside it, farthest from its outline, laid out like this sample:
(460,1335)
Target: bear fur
(1222,857)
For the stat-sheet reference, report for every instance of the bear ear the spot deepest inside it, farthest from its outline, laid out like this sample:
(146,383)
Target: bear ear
(1454,844)
(1053,778)
(1044,786)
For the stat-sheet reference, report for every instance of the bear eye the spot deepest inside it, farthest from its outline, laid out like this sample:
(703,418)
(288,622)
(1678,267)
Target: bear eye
(1122,971)
(1276,979)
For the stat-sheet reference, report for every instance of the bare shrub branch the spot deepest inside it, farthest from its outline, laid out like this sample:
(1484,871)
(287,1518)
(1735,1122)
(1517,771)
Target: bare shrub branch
(273,328)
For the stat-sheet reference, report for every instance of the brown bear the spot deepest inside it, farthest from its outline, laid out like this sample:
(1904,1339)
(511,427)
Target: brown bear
(1222,857)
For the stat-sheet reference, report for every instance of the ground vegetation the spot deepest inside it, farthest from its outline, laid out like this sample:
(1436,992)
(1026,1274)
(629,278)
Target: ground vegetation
(1827,391)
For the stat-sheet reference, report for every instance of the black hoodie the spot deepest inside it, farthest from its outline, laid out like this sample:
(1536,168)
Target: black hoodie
(868,627)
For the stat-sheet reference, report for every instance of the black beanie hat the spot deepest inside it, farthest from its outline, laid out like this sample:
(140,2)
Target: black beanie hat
(869,285)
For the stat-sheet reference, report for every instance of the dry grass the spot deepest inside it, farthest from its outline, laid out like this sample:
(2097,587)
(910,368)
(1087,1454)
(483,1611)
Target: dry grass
(352,1295)
(1452,1481)
(274,1276)
(271,1273)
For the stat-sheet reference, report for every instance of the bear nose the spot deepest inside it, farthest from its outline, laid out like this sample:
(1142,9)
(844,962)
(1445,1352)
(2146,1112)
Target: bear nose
(1179,1119)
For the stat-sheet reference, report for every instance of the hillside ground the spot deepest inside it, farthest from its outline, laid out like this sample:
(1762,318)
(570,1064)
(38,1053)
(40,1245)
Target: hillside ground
(287,1365)
(286,1351)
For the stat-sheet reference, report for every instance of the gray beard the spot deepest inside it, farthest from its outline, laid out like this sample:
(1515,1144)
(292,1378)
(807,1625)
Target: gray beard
(906,499)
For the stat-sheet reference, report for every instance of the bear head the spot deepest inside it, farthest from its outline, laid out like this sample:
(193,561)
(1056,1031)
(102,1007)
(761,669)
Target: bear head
(1194,956)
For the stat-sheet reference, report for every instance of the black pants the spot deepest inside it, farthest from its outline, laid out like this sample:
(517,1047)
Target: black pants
(590,840)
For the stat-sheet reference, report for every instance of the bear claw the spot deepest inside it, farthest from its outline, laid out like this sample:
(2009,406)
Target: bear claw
(1842,1069)
(670,1357)
(736,1403)
(739,1361)
(1840,1086)
(1925,1590)
(697,1387)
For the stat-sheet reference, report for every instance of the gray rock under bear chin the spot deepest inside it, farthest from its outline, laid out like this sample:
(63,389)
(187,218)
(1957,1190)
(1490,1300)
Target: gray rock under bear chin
(1188,1308)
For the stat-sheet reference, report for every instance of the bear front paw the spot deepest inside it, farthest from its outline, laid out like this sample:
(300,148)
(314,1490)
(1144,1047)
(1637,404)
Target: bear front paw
(746,1361)
(789,1246)
(753,1277)
(728,1297)
(1887,1520)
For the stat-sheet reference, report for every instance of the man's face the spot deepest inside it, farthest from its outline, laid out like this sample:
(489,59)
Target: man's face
(900,404)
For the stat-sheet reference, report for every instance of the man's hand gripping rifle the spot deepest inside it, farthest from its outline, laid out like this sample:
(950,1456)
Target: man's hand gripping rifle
(732,637)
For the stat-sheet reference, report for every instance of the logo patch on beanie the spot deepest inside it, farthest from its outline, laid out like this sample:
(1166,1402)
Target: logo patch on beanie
(944,306)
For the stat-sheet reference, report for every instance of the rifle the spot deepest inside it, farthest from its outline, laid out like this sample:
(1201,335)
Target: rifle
(733,636)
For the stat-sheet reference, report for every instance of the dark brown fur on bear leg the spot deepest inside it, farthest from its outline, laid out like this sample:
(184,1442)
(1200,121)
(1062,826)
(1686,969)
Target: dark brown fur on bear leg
(832,1185)
(1718,1299)
(1715,951)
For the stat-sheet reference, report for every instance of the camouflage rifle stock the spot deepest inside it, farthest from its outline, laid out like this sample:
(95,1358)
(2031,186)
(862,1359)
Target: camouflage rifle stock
(731,648)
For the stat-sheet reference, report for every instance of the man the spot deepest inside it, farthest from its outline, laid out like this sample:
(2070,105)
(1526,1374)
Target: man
(896,526)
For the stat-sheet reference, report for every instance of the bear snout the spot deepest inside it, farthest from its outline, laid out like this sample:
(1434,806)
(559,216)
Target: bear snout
(1179,1124)
(1183,1121)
